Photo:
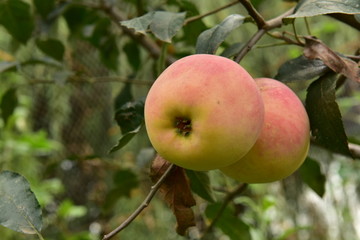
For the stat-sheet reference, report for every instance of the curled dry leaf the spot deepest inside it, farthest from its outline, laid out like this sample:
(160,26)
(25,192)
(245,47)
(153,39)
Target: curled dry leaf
(315,49)
(176,193)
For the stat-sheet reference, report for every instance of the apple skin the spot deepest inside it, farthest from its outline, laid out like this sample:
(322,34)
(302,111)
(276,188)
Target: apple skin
(284,140)
(222,102)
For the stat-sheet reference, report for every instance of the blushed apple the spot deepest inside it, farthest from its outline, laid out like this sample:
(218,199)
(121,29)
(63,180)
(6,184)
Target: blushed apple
(203,112)
(284,140)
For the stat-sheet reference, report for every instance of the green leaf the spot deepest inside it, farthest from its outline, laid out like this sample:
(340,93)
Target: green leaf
(16,18)
(44,7)
(228,222)
(300,69)
(51,47)
(8,66)
(310,173)
(165,25)
(357,17)
(100,32)
(139,24)
(325,117)
(310,8)
(209,40)
(125,181)
(8,104)
(200,184)
(125,139)
(20,210)
(132,52)
(109,52)
(68,210)
(123,97)
(80,17)
(232,50)
(131,114)
(195,27)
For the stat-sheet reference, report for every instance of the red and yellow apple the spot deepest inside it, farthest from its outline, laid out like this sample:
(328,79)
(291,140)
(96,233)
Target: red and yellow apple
(203,112)
(283,142)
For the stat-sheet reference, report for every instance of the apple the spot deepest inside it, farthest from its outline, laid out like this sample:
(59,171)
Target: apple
(283,142)
(203,112)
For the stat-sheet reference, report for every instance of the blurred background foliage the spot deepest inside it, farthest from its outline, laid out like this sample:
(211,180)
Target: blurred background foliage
(62,85)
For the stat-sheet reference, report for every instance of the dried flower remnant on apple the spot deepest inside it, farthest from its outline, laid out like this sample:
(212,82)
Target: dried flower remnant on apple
(183,126)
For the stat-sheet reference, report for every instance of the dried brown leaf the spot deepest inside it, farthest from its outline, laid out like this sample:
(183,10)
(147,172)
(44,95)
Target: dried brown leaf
(176,193)
(316,49)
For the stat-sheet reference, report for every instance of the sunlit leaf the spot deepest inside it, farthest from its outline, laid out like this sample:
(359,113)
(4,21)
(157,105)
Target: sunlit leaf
(68,210)
(16,18)
(325,117)
(311,174)
(301,68)
(20,210)
(200,184)
(209,40)
(165,25)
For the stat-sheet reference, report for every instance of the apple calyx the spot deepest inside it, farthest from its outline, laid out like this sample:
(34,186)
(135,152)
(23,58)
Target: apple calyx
(183,126)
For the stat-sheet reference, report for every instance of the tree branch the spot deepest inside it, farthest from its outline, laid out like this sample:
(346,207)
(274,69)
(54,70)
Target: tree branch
(143,205)
(260,21)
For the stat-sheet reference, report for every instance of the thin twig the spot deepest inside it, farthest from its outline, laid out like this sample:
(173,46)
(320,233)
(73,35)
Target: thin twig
(101,79)
(307,26)
(229,197)
(250,44)
(260,21)
(296,35)
(194,18)
(283,36)
(270,24)
(143,205)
